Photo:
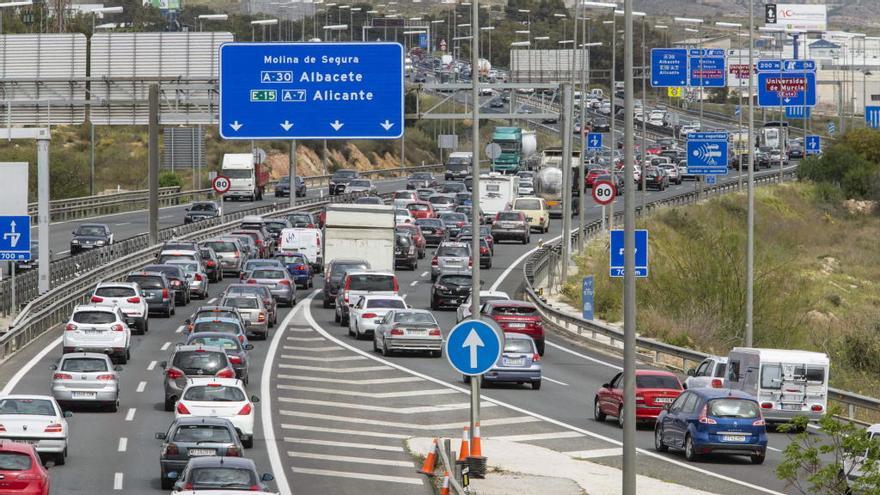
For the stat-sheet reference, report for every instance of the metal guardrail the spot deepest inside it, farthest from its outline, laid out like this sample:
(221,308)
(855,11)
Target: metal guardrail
(543,267)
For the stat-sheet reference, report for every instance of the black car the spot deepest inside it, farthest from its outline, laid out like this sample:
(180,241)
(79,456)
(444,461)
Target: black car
(236,351)
(156,289)
(369,200)
(334,274)
(23,266)
(212,264)
(211,473)
(421,180)
(420,78)
(274,226)
(496,103)
(302,220)
(340,179)
(282,189)
(762,158)
(656,178)
(433,229)
(453,187)
(202,210)
(795,152)
(405,252)
(454,222)
(90,236)
(177,278)
(601,124)
(450,290)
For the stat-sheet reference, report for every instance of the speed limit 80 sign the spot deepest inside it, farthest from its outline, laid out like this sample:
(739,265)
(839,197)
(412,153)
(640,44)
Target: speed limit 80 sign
(221,184)
(604,192)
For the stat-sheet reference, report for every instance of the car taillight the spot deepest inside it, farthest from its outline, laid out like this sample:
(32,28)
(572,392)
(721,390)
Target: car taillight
(106,377)
(199,277)
(345,297)
(226,373)
(181,409)
(164,293)
(706,420)
(241,339)
(299,267)
(62,376)
(484,250)
(232,452)
(716,383)
(235,359)
(434,332)
(187,486)
(536,357)
(396,331)
(759,422)
(434,261)
(53,428)
(28,477)
(470,262)
(209,264)
(285,282)
(174,373)
(245,410)
(171,449)
(261,317)
(259,242)
(310,226)
(369,315)
(175,283)
(640,399)
(133,300)
(117,328)
(766,405)
(96,299)
(70,327)
(816,408)
(251,281)
(2,428)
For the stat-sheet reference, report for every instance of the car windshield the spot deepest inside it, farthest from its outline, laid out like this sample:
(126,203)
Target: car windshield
(221,477)
(253,264)
(214,392)
(238,173)
(215,326)
(221,246)
(202,434)
(242,302)
(94,317)
(657,381)
(369,282)
(215,314)
(402,213)
(516,310)
(453,252)
(359,183)
(168,270)
(84,365)
(146,282)
(203,207)
(453,217)
(517,345)
(461,280)
(509,216)
(440,200)
(268,274)
(421,176)
(345,174)
(299,218)
(14,461)
(733,408)
(527,204)
(386,303)
(115,291)
(291,259)
(414,318)
(258,290)
(28,407)
(199,360)
(404,239)
(227,343)
(90,230)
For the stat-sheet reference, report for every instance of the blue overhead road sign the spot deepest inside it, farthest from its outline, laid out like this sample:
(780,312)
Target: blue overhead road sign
(311,90)
(617,258)
(594,141)
(708,70)
(813,144)
(669,67)
(707,153)
(872,116)
(797,112)
(473,347)
(786,83)
(15,238)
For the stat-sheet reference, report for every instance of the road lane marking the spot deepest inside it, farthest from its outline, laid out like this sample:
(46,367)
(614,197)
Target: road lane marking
(424,274)
(152,365)
(312,349)
(371,395)
(352,459)
(370,381)
(414,283)
(554,381)
(343,431)
(595,453)
(553,435)
(351,445)
(357,476)
(306,339)
(141,386)
(179,329)
(123,444)
(13,382)
(129,416)
(410,425)
(212,300)
(117,481)
(394,410)
(322,359)
(165,346)
(123,223)
(362,369)
(584,356)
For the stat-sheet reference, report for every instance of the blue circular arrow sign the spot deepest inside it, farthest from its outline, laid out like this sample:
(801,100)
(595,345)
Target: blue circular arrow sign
(473,347)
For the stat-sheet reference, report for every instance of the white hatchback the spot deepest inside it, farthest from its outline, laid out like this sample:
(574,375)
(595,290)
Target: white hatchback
(126,295)
(37,420)
(98,328)
(220,398)
(366,315)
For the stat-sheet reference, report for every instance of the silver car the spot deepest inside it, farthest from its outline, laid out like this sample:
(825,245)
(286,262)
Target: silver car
(361,186)
(253,312)
(519,362)
(280,284)
(451,257)
(251,265)
(229,250)
(37,420)
(408,330)
(195,275)
(86,378)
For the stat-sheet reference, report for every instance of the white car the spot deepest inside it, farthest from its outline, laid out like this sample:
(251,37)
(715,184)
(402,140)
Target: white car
(98,328)
(126,295)
(526,187)
(403,216)
(220,398)
(37,420)
(366,315)
(709,374)
(464,311)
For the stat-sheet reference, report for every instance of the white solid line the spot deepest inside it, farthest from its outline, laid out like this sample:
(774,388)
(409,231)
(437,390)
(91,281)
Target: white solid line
(123,223)
(152,365)
(165,217)
(212,300)
(583,356)
(396,410)
(362,369)
(346,458)
(311,349)
(11,384)
(306,339)
(129,416)
(117,481)
(357,476)
(179,329)
(322,358)
(774,449)
(545,377)
(369,381)
(123,444)
(141,386)
(537,436)
(165,346)
(404,296)
(414,283)
(595,453)
(351,445)
(368,394)
(411,425)
(343,431)
(424,274)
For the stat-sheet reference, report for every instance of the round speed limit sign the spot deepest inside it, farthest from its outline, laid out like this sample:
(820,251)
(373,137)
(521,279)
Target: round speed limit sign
(604,192)
(221,184)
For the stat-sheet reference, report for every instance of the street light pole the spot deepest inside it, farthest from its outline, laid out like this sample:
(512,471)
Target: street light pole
(475,205)
(750,235)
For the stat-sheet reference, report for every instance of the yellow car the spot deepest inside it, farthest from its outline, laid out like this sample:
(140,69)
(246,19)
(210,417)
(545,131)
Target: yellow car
(535,210)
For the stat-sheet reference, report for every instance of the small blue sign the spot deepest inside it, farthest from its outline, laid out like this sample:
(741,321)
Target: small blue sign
(711,180)
(797,112)
(587,297)
(311,90)
(786,89)
(15,238)
(708,70)
(473,347)
(707,153)
(790,65)
(423,40)
(669,67)
(616,257)
(594,141)
(872,116)
(813,144)
(737,110)
(831,128)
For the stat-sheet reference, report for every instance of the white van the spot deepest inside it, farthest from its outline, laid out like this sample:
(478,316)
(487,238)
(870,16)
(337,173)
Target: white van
(306,241)
(785,383)
(497,192)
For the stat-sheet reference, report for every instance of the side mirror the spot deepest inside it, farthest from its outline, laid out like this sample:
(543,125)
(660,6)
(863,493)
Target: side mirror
(249,347)
(53,367)
(68,414)
(267,477)
(255,399)
(117,368)
(605,385)
(163,364)
(691,372)
(188,321)
(160,436)
(172,475)
(73,232)
(667,407)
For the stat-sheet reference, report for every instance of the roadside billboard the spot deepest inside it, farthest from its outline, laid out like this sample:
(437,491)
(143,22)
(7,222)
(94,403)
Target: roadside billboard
(802,17)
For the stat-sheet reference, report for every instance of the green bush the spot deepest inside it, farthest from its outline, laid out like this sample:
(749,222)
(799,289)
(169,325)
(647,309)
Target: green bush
(849,164)
(170,179)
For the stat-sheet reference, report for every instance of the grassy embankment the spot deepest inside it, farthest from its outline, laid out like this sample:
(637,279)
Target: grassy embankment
(817,279)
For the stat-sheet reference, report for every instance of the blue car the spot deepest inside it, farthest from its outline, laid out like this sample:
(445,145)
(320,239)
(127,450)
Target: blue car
(705,421)
(298,266)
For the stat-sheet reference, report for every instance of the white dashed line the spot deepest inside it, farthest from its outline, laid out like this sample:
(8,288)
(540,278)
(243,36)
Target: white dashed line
(212,300)
(129,416)
(414,283)
(123,444)
(424,274)
(554,381)
(117,481)
(151,366)
(179,329)
(165,346)
(143,385)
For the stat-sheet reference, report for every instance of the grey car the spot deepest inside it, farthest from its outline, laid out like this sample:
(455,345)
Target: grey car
(195,275)
(361,186)
(280,284)
(229,251)
(260,291)
(252,309)
(220,473)
(191,437)
(90,236)
(214,312)
(511,225)
(156,289)
(86,378)
(408,330)
(236,351)
(519,362)
(251,265)
(193,361)
(451,257)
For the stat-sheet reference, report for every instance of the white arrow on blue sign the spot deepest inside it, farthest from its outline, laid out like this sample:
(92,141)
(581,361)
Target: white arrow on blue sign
(594,141)
(473,347)
(15,238)
(814,144)
(616,259)
(872,116)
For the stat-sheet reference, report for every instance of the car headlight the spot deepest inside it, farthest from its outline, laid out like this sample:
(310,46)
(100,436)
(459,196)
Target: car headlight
(75,241)
(99,243)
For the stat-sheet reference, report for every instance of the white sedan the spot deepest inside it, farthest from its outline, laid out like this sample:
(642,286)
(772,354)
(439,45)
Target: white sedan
(37,420)
(98,328)
(366,315)
(464,311)
(402,216)
(220,398)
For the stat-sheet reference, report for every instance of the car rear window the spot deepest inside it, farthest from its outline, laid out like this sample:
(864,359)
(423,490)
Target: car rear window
(227,343)
(453,217)
(202,433)
(187,267)
(146,282)
(84,365)
(271,274)
(225,477)
(386,303)
(371,282)
(518,345)
(14,461)
(94,317)
(221,246)
(259,290)
(28,407)
(509,216)
(168,270)
(291,259)
(527,204)
(455,279)
(429,222)
(732,408)
(441,200)
(242,302)
(115,292)
(657,381)
(214,393)
(338,270)
(215,326)
(165,258)
(414,318)
(417,207)
(452,252)
(515,310)
(215,314)
(199,360)
(203,207)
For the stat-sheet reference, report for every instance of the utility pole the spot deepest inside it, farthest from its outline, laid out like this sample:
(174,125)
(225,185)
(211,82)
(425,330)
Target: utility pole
(154,164)
(750,249)
(475,205)
(291,165)
(565,90)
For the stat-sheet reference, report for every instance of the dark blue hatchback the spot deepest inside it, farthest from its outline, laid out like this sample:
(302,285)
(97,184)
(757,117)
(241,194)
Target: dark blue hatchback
(712,421)
(298,266)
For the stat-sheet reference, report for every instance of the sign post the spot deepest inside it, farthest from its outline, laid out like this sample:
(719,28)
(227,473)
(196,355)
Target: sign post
(707,153)
(587,290)
(617,254)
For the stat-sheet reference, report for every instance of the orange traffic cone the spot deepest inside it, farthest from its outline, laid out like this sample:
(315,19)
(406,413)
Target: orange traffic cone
(476,446)
(464,451)
(430,460)
(444,490)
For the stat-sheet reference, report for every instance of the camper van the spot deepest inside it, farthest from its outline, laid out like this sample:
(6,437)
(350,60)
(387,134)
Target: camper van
(786,383)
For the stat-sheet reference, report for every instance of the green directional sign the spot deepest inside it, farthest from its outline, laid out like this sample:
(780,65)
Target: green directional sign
(264,95)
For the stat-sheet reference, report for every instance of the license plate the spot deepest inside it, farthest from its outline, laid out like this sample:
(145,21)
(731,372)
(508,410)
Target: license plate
(417,332)
(791,407)
(94,332)
(515,362)
(733,438)
(29,442)
(246,317)
(663,400)
(517,325)
(377,321)
(83,395)
(505,225)
(201,452)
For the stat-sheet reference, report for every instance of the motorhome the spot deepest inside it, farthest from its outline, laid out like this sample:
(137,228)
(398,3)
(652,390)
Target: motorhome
(497,192)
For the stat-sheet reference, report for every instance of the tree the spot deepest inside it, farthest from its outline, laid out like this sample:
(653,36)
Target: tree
(819,464)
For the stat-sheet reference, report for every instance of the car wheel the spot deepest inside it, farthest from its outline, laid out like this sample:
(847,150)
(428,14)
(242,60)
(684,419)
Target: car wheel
(247,442)
(326,303)
(146,325)
(166,483)
(383,350)
(434,305)
(659,446)
(336,317)
(598,415)
(61,458)
(757,459)
(689,452)
(113,406)
(169,404)
(536,385)
(525,240)
(173,310)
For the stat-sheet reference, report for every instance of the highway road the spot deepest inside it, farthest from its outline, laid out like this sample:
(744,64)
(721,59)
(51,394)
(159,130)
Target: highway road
(334,415)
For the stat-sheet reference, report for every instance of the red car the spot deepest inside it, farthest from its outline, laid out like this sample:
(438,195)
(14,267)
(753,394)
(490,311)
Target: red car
(417,236)
(593,174)
(517,317)
(21,471)
(654,390)
(421,209)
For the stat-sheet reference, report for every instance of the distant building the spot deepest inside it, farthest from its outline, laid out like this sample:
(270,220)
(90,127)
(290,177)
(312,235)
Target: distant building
(824,50)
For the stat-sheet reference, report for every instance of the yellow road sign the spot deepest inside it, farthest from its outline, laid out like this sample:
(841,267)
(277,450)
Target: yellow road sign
(675,92)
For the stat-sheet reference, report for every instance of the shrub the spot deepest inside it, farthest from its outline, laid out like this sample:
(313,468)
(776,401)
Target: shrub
(170,179)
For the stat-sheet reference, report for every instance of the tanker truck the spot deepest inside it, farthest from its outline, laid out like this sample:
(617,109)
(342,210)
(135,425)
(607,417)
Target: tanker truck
(548,181)
(517,146)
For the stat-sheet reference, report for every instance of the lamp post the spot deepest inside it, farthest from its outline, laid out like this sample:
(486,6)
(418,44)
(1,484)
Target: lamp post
(644,107)
(750,215)
(699,31)
(351,12)
(328,30)
(210,17)
(488,30)
(262,23)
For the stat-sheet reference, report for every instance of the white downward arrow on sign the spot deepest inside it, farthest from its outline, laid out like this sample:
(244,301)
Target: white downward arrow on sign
(235,125)
(336,125)
(387,125)
(286,125)
(473,341)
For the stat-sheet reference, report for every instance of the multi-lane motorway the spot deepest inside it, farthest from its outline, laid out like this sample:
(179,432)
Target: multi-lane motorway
(334,415)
